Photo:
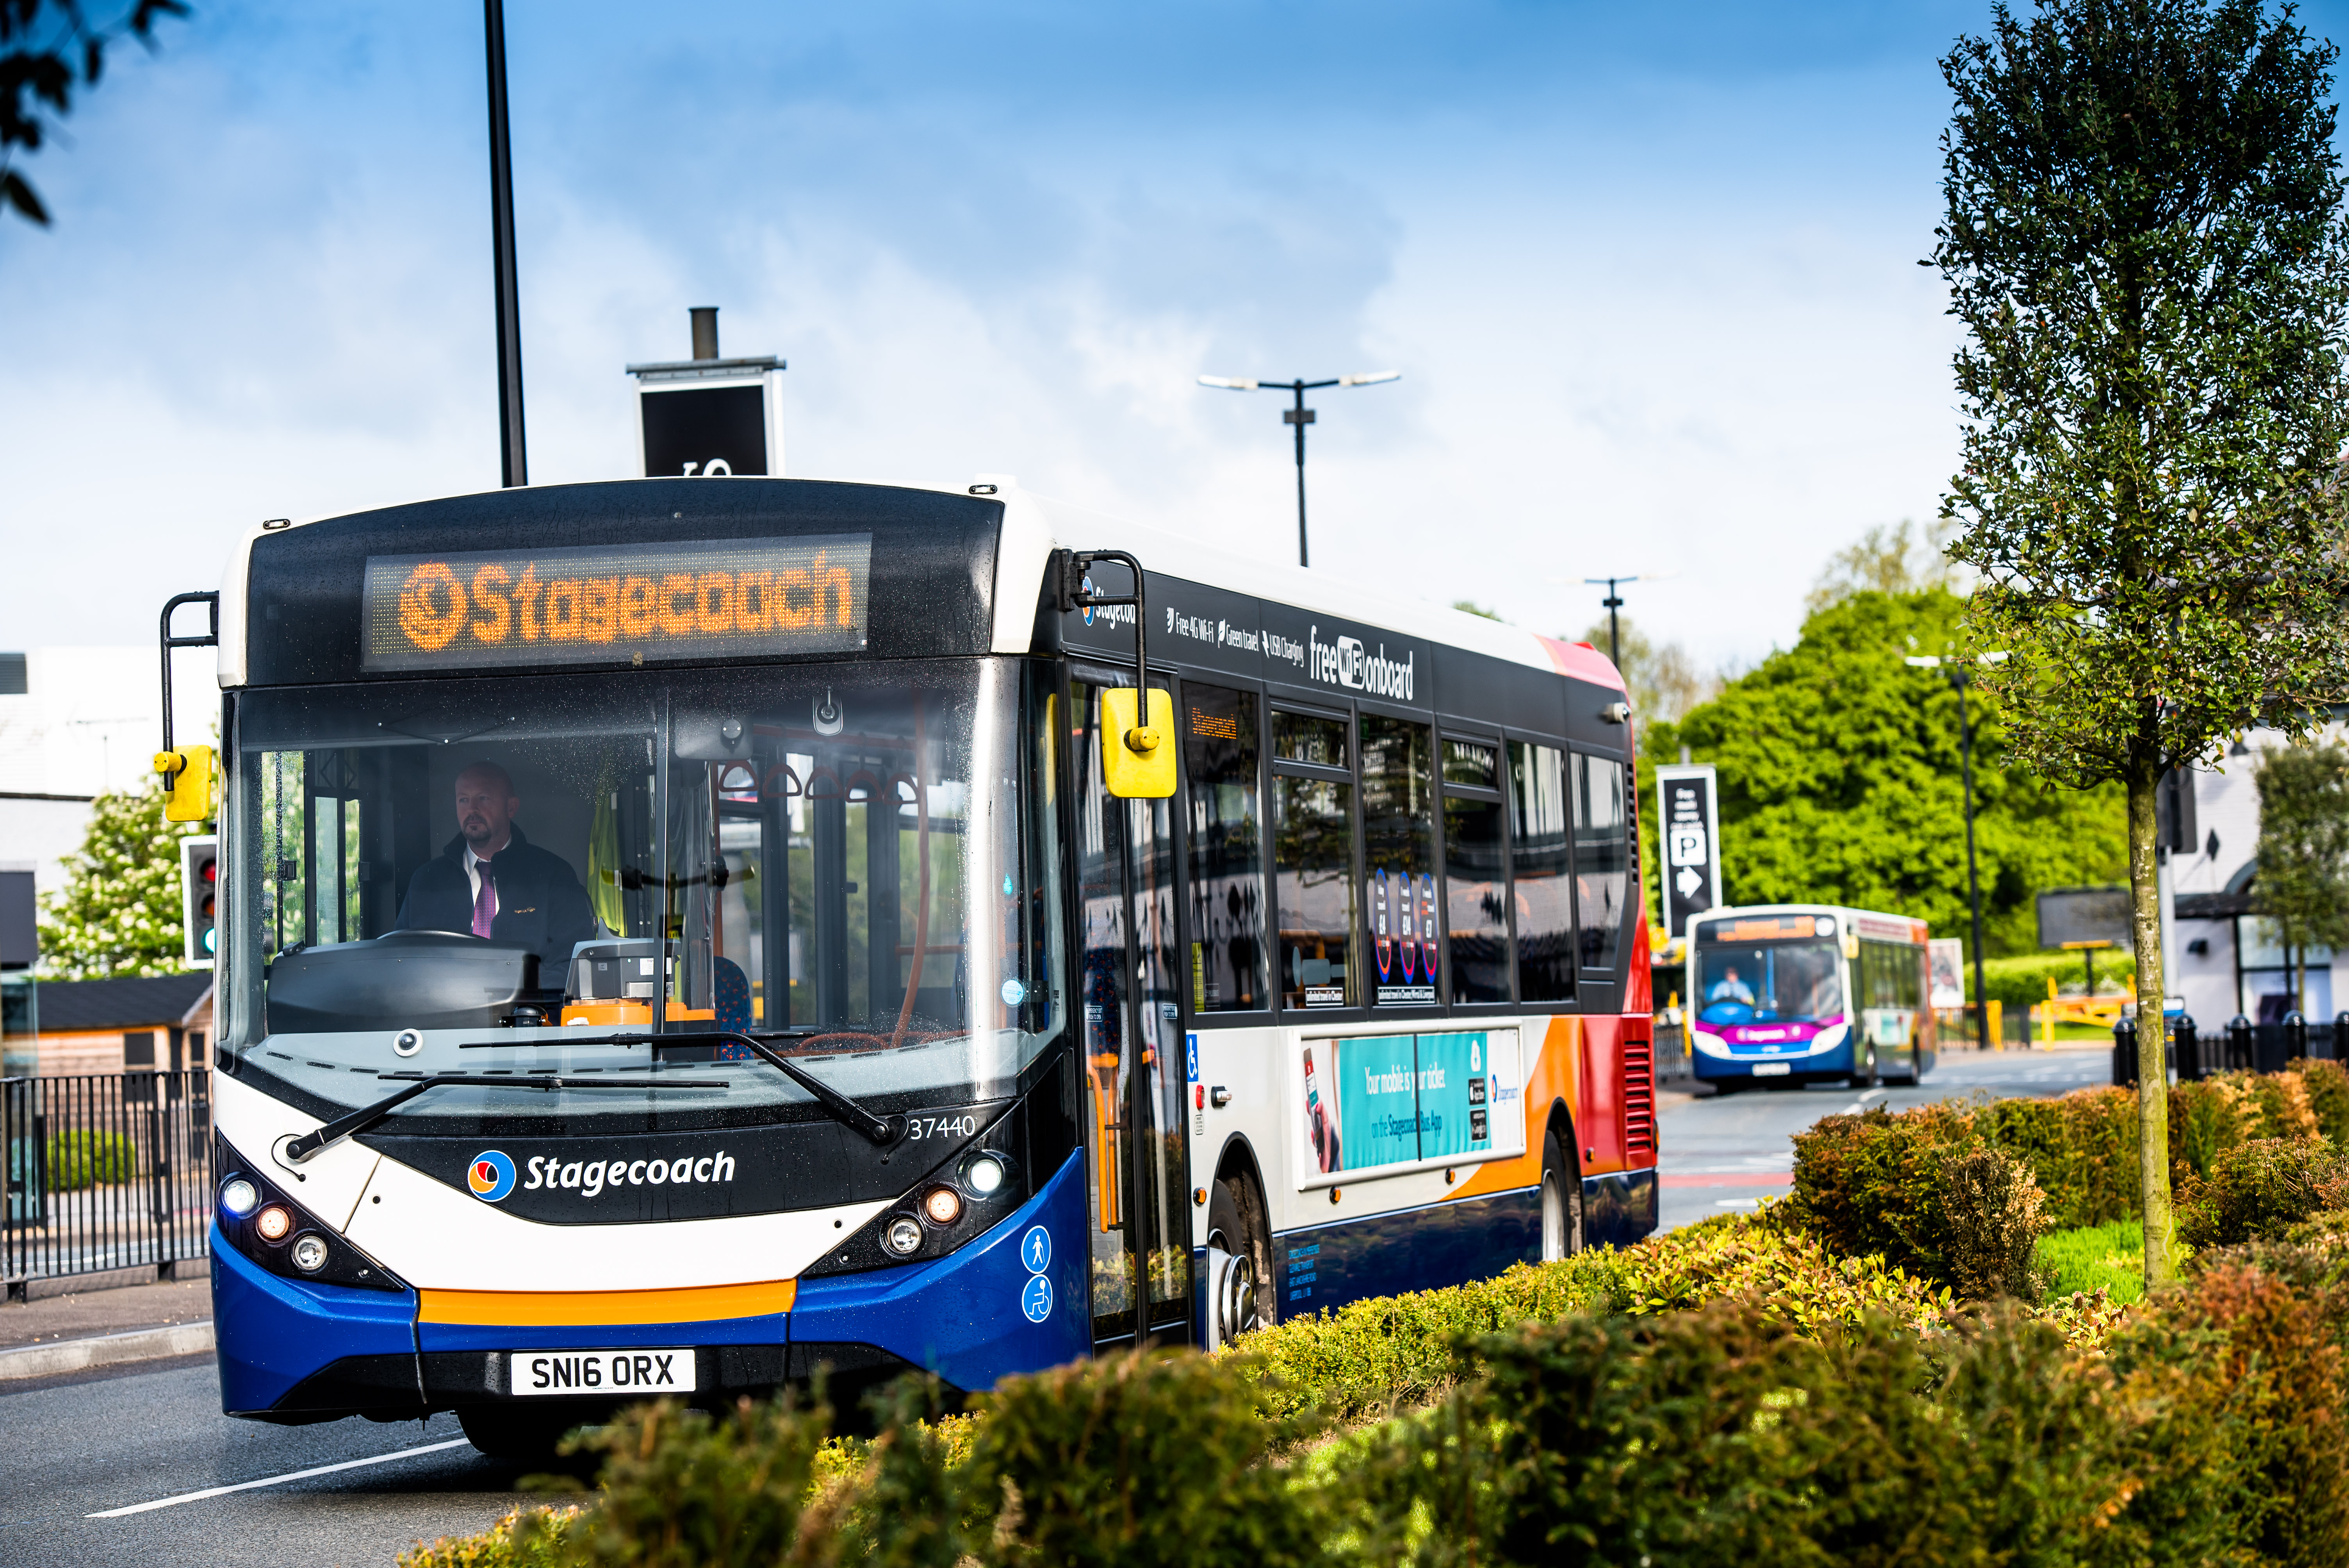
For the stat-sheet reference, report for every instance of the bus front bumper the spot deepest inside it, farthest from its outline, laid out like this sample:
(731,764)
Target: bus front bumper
(294,1352)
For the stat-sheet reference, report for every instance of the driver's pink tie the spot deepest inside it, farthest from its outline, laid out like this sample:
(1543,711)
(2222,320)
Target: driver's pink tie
(485,902)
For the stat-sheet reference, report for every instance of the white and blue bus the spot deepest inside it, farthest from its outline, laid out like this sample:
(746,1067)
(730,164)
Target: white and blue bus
(680,934)
(1805,993)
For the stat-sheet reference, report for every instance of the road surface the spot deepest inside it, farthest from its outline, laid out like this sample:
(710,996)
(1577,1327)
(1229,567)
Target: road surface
(1726,1152)
(122,1436)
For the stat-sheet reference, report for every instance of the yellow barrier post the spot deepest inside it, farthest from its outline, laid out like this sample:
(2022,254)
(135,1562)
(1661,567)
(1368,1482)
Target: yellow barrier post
(2047,1032)
(1997,1011)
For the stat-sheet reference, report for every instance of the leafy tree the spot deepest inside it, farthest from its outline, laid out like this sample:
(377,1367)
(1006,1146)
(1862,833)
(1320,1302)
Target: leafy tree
(48,47)
(2145,241)
(1470,607)
(1897,558)
(2303,854)
(1839,780)
(119,914)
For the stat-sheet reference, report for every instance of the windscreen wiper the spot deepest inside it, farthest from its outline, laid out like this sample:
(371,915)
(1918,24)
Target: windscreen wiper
(366,1116)
(883,1130)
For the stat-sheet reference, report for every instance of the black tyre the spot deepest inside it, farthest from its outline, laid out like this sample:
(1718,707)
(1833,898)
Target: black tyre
(1562,1230)
(1867,1076)
(1242,1299)
(521,1435)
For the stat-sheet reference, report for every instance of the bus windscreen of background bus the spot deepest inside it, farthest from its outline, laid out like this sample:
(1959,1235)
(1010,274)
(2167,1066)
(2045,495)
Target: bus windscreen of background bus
(1769,982)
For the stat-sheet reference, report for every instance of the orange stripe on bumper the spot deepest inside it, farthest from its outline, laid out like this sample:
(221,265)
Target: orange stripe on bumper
(590,1308)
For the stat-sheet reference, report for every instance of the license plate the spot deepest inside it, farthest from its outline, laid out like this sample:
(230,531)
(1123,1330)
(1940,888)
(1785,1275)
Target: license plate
(571,1373)
(1771,1070)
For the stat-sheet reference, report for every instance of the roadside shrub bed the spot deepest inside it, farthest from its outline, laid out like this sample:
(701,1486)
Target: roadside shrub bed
(1885,1183)
(2210,1430)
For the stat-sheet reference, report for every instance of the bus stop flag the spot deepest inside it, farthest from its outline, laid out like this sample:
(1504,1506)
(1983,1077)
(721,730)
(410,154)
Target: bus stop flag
(1687,817)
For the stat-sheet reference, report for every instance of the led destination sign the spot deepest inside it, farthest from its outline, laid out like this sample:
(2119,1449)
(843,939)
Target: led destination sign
(654,602)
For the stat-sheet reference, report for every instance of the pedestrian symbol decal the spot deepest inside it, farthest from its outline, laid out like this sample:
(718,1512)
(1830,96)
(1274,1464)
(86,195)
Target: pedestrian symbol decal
(1035,1249)
(1035,1301)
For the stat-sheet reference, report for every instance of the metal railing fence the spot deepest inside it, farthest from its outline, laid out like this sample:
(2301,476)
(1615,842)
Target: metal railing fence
(104,1173)
(2238,1046)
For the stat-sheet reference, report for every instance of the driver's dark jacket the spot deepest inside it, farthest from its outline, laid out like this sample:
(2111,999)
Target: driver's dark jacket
(540,901)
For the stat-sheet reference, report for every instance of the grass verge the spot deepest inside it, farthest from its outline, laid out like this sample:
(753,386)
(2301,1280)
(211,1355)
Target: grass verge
(2111,1257)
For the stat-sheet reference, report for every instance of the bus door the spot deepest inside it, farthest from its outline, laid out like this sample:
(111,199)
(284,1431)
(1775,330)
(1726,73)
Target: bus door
(1136,1156)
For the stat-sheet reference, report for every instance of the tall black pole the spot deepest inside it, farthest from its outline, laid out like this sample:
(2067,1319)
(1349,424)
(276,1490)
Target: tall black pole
(1973,876)
(1614,631)
(514,464)
(1298,419)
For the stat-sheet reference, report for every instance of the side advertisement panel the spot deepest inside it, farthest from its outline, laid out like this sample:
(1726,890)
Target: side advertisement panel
(1385,1104)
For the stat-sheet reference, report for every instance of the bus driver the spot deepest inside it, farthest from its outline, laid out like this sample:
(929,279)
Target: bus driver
(496,883)
(1730,988)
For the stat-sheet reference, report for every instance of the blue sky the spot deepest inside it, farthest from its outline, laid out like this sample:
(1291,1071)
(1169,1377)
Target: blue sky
(1651,275)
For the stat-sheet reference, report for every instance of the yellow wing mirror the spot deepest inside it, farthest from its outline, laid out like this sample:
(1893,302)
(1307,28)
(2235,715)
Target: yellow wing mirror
(186,783)
(1137,752)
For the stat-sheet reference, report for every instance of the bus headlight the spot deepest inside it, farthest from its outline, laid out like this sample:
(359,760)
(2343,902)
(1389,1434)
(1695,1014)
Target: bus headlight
(274,1223)
(309,1253)
(983,1175)
(904,1236)
(239,1197)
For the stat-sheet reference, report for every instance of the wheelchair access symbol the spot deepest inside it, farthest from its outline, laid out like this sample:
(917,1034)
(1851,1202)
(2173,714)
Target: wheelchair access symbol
(1036,1251)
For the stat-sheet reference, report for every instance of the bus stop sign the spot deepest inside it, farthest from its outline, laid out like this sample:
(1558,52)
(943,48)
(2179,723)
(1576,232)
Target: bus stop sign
(709,416)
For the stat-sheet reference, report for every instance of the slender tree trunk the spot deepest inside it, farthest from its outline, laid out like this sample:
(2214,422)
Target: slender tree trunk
(2152,1033)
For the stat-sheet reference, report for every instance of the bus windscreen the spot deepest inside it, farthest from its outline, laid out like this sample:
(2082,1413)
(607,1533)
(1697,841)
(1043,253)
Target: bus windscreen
(1769,982)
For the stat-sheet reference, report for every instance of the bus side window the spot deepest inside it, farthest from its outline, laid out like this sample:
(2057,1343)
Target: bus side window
(1475,872)
(1399,857)
(1602,857)
(1225,890)
(1537,864)
(1313,862)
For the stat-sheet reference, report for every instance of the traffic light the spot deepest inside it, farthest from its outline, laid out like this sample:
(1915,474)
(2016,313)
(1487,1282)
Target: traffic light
(186,783)
(199,899)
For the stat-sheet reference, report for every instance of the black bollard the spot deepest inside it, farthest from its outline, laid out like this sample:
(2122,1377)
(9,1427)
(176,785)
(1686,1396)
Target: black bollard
(2125,1053)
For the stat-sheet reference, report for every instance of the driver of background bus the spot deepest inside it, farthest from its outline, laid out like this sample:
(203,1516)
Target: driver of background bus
(494,882)
(1730,988)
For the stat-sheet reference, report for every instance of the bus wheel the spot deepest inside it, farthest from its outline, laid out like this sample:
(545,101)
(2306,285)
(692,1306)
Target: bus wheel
(1867,1076)
(1561,1203)
(1238,1265)
(524,1437)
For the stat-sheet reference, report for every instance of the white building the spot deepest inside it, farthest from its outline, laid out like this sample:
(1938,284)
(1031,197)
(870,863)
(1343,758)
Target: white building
(2225,959)
(75,722)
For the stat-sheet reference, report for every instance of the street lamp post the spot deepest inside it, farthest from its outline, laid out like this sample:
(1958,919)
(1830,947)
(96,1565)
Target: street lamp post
(1956,670)
(513,459)
(1298,416)
(1614,602)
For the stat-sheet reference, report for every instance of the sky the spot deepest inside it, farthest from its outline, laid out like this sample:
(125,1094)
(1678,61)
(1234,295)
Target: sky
(1650,275)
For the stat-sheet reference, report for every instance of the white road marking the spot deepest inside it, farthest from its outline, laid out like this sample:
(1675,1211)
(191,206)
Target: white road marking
(278,1479)
(1871,1094)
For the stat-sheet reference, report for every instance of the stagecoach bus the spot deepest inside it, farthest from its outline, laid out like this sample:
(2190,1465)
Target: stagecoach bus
(681,933)
(1805,993)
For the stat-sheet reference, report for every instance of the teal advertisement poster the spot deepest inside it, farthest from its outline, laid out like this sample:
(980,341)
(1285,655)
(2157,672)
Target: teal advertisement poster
(1456,1096)
(1378,1101)
(1398,1099)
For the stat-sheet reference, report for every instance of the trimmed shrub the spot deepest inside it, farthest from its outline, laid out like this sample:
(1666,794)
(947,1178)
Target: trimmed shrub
(1136,1460)
(2235,1447)
(1991,1219)
(87,1159)
(1375,1358)
(682,1489)
(2081,1148)
(2328,1084)
(527,1538)
(2256,1190)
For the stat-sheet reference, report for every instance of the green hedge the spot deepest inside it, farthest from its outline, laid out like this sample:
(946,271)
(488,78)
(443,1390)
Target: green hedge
(2206,1431)
(2021,980)
(1878,1182)
(85,1158)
